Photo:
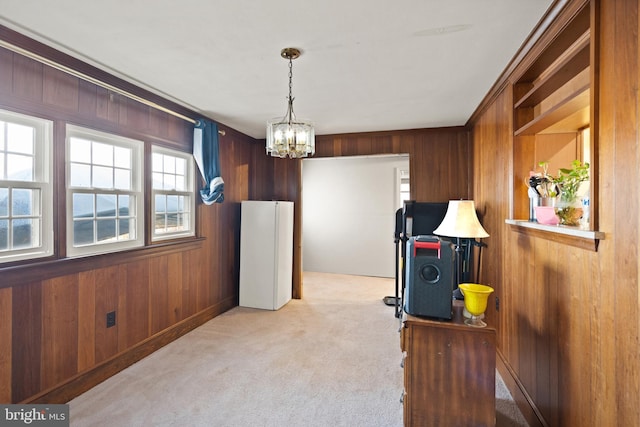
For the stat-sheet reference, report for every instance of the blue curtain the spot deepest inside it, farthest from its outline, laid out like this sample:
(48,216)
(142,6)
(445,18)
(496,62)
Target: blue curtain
(205,152)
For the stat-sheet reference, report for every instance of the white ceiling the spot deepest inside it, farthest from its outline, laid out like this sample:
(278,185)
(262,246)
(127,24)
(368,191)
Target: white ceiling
(367,65)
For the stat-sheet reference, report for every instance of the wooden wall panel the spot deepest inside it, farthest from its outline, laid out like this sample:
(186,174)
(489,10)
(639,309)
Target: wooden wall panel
(106,295)
(6,314)
(569,318)
(87,329)
(59,330)
(53,315)
(158,125)
(617,316)
(108,105)
(26,349)
(158,294)
(87,99)
(230,254)
(60,89)
(492,185)
(174,294)
(6,71)
(27,78)
(135,115)
(210,227)
(190,276)
(134,303)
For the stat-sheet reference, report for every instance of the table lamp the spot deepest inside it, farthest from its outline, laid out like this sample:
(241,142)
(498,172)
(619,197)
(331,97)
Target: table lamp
(460,221)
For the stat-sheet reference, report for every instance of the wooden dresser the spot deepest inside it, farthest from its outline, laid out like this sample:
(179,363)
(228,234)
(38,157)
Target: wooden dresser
(449,372)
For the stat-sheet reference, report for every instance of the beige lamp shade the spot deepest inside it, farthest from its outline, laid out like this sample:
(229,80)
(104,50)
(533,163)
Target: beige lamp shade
(461,221)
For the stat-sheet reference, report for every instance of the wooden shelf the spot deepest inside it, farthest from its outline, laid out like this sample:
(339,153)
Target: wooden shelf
(574,236)
(575,60)
(578,120)
(569,106)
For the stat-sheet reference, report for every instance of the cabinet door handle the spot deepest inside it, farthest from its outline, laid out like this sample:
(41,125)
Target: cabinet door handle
(404,356)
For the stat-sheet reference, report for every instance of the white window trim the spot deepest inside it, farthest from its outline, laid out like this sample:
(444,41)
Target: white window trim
(190,192)
(42,180)
(137,148)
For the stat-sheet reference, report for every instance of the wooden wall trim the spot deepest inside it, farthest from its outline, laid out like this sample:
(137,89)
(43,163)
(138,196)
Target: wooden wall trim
(28,44)
(33,108)
(523,400)
(546,22)
(384,133)
(78,384)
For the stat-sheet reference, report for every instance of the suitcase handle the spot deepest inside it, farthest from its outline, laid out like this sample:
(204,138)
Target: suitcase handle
(426,245)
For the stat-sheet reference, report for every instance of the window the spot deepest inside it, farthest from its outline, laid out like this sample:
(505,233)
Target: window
(105,210)
(26,202)
(173,198)
(405,187)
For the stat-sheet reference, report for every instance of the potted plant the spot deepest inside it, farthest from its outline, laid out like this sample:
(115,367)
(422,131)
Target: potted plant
(568,182)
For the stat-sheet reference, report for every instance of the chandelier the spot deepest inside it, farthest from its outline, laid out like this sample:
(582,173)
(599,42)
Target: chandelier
(289,136)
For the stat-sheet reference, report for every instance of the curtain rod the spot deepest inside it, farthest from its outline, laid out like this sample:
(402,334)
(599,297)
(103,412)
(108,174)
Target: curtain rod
(95,81)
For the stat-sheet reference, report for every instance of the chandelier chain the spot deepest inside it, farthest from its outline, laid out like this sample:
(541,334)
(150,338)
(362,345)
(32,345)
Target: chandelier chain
(290,103)
(290,76)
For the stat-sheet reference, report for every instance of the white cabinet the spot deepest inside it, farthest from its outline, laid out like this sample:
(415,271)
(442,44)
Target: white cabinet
(266,254)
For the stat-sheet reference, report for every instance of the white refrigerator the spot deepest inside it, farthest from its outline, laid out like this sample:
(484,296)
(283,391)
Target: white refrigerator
(266,254)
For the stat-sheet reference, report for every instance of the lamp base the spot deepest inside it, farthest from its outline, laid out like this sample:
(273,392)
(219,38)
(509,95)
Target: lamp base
(475,322)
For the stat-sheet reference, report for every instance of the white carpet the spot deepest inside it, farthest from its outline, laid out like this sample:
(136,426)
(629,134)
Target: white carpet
(330,359)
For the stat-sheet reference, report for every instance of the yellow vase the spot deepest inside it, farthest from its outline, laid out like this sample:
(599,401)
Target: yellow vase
(475,301)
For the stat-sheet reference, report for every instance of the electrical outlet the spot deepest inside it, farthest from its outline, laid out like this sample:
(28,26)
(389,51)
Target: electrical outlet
(111,319)
(497,304)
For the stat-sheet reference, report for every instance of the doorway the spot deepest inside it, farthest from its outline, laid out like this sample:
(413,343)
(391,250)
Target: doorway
(348,213)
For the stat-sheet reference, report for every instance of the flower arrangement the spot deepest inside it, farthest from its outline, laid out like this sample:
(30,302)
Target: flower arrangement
(566,185)
(564,189)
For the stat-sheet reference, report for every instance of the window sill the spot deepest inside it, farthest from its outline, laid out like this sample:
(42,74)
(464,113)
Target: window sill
(574,236)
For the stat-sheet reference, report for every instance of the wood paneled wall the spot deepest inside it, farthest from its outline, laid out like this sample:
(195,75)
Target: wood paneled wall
(569,318)
(439,161)
(55,343)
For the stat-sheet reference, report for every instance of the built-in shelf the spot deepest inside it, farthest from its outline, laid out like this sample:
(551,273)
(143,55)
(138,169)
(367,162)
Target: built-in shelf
(575,60)
(574,236)
(554,110)
(555,88)
(568,107)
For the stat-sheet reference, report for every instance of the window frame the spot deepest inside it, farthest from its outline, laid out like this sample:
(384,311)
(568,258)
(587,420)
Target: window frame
(188,192)
(137,191)
(42,180)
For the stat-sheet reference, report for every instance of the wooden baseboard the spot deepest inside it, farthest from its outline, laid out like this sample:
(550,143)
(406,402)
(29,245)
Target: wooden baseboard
(78,384)
(524,401)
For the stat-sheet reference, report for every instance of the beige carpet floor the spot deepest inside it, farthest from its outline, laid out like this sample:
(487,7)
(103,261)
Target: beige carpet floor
(330,359)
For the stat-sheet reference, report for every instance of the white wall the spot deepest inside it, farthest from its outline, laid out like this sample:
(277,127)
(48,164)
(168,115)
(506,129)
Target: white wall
(348,214)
